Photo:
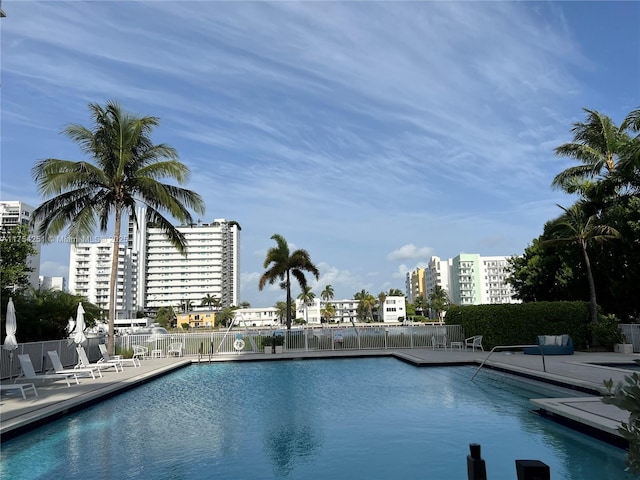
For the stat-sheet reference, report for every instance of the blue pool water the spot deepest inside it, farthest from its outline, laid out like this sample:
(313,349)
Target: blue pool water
(325,419)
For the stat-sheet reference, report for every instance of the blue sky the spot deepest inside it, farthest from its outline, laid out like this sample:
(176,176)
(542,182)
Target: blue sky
(372,134)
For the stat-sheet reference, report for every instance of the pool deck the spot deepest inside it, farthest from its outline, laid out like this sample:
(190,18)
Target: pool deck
(55,399)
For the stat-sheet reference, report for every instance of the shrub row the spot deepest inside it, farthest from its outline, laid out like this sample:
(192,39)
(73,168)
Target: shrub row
(521,323)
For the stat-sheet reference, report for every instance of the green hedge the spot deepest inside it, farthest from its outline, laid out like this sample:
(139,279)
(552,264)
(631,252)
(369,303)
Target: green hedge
(521,323)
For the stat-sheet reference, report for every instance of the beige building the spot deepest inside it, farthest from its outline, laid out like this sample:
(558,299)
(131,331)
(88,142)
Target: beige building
(416,284)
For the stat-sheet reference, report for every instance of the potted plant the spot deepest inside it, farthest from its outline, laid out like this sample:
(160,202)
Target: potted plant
(606,334)
(621,345)
(279,343)
(620,341)
(267,344)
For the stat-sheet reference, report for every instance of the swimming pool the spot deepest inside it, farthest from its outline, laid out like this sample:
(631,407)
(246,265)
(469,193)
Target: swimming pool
(324,419)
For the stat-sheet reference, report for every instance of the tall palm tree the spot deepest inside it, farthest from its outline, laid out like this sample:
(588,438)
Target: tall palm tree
(327,293)
(125,170)
(596,144)
(281,264)
(382,297)
(306,296)
(366,302)
(576,226)
(629,163)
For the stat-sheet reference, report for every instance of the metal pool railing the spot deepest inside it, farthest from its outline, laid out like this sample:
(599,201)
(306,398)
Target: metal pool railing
(510,347)
(297,339)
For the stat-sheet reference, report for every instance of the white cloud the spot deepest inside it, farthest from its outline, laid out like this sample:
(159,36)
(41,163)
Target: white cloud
(349,128)
(410,251)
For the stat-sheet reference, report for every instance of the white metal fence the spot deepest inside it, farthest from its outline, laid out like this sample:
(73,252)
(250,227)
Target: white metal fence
(631,332)
(300,339)
(367,337)
(38,352)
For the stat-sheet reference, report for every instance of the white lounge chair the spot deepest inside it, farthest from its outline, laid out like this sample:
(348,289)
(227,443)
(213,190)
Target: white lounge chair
(140,352)
(175,348)
(29,373)
(59,368)
(439,339)
(119,360)
(83,362)
(473,342)
(19,386)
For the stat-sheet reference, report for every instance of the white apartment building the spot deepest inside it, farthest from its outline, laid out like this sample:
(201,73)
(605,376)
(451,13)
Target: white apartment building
(392,310)
(470,279)
(256,317)
(12,213)
(437,275)
(90,273)
(493,281)
(210,265)
(478,280)
(53,283)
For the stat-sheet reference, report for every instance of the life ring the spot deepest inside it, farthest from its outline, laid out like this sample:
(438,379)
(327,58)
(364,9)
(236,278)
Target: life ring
(238,344)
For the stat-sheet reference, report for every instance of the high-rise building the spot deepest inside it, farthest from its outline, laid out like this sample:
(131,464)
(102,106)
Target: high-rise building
(415,284)
(90,274)
(469,279)
(14,213)
(152,273)
(493,281)
(209,266)
(478,280)
(53,283)
(437,275)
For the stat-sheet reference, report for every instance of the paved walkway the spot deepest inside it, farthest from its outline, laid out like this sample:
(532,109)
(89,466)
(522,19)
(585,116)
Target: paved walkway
(56,399)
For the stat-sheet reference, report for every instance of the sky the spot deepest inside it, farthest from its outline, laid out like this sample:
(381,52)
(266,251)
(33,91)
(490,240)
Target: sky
(374,135)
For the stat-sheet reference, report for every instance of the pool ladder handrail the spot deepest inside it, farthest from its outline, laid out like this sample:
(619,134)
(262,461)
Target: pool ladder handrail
(544,367)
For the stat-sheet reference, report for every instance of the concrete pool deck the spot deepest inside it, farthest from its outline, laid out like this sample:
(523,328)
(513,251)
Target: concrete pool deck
(56,399)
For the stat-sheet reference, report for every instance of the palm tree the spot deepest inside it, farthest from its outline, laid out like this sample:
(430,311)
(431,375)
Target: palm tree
(395,292)
(328,312)
(126,171)
(596,144)
(382,297)
(630,153)
(282,264)
(186,306)
(439,300)
(366,302)
(281,310)
(211,301)
(225,316)
(245,305)
(576,226)
(306,296)
(327,293)
(421,305)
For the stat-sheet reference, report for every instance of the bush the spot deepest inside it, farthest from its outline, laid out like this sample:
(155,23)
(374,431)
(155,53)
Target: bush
(606,332)
(521,323)
(124,352)
(625,396)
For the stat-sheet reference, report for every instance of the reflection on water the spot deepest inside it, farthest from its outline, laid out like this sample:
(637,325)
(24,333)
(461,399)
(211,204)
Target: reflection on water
(287,446)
